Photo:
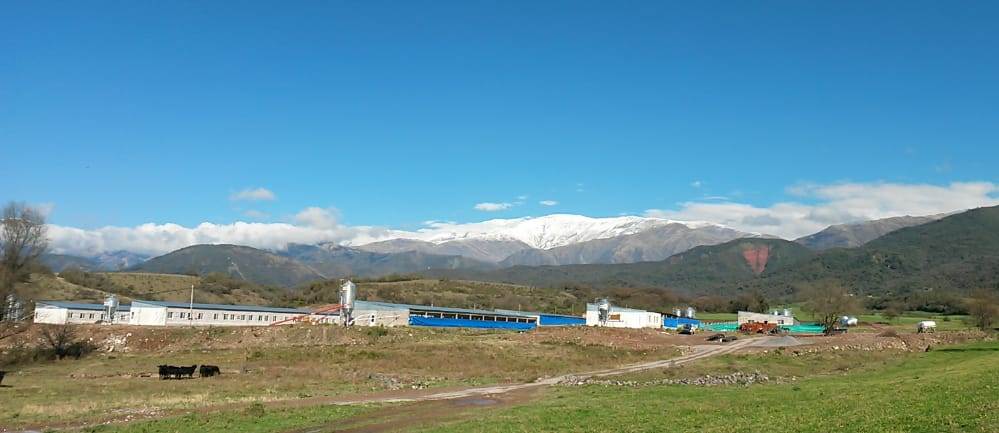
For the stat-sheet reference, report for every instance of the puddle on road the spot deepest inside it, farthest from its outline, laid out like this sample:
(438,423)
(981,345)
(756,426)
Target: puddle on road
(474,401)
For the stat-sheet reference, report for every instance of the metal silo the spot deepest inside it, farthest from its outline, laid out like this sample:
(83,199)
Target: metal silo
(603,310)
(110,308)
(348,292)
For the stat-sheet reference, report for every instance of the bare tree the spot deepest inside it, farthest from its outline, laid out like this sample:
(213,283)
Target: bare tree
(893,310)
(983,307)
(22,240)
(63,342)
(828,302)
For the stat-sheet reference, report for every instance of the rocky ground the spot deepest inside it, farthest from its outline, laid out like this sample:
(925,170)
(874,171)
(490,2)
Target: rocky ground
(737,378)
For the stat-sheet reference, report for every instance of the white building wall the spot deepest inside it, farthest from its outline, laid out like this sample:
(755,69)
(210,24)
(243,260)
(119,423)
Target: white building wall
(147,315)
(381,317)
(750,317)
(626,319)
(60,315)
(51,315)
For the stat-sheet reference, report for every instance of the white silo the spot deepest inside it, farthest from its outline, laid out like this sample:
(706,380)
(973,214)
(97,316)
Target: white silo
(603,310)
(110,308)
(690,312)
(348,292)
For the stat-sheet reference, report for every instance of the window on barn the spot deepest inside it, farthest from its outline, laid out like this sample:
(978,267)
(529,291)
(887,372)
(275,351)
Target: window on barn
(215,316)
(200,316)
(170,315)
(225,317)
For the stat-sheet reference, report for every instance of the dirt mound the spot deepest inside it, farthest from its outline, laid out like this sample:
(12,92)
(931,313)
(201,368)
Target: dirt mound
(783,341)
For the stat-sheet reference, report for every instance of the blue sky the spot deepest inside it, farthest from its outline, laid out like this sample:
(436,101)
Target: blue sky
(396,113)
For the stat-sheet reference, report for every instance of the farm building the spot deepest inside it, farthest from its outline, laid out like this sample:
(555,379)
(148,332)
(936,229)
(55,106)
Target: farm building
(365,313)
(779,318)
(61,313)
(673,321)
(621,317)
(368,313)
(550,319)
(422,315)
(165,313)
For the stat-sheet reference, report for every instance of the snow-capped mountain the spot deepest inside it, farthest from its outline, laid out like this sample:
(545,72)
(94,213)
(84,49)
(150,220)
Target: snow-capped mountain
(559,239)
(545,232)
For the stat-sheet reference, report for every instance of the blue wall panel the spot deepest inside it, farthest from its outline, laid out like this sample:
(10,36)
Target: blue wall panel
(675,322)
(465,323)
(556,320)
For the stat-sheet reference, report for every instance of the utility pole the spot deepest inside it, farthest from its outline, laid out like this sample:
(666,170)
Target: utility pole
(190,310)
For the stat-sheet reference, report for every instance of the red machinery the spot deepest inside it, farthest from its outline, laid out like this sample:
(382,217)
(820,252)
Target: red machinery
(758,328)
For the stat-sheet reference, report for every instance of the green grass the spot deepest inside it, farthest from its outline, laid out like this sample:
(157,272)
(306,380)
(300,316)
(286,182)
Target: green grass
(946,390)
(906,322)
(254,419)
(291,363)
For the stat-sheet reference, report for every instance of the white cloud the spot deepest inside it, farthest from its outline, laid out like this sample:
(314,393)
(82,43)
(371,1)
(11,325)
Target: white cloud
(696,184)
(492,207)
(548,203)
(319,218)
(825,205)
(253,194)
(155,239)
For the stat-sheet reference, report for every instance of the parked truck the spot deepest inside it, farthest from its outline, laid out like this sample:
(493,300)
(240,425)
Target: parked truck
(926,326)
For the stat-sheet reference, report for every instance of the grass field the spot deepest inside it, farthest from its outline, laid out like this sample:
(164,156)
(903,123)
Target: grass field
(948,390)
(266,364)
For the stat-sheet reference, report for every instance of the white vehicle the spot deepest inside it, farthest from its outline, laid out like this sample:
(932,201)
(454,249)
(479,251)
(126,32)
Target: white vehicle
(926,326)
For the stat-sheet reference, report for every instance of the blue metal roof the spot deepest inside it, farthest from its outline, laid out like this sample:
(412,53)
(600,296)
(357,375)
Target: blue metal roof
(534,313)
(225,307)
(78,305)
(448,309)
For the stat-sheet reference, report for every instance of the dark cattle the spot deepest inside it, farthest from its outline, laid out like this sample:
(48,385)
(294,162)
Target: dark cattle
(716,337)
(186,371)
(209,370)
(169,371)
(2,374)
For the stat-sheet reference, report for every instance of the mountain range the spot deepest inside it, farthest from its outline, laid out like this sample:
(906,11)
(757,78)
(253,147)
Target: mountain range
(952,254)
(556,244)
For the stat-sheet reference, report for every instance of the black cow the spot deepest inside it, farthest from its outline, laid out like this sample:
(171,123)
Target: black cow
(2,374)
(209,370)
(186,371)
(169,371)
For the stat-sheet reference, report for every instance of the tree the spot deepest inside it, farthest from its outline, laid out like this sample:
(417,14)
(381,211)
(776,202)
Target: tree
(893,310)
(22,240)
(983,307)
(828,302)
(63,343)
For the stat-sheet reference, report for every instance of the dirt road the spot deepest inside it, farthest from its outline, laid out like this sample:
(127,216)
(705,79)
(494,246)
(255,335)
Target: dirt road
(452,405)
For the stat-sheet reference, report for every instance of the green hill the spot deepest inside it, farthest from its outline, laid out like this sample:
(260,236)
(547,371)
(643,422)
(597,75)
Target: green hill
(236,261)
(705,269)
(955,254)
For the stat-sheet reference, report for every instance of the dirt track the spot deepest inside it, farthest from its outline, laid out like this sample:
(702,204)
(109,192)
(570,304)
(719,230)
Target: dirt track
(451,405)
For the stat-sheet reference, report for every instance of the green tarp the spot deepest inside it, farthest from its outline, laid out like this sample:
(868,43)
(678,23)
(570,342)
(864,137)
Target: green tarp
(804,328)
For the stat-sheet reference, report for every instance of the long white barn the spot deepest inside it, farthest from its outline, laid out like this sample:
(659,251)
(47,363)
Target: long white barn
(166,313)
(61,313)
